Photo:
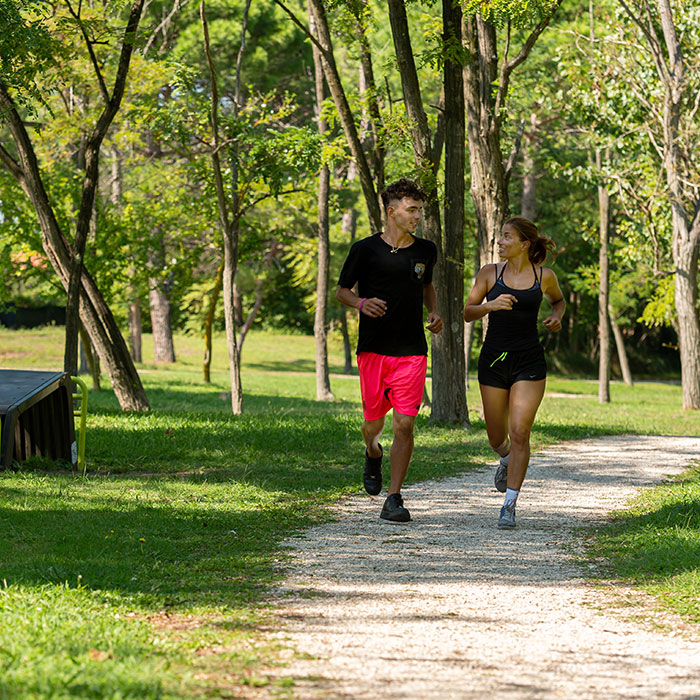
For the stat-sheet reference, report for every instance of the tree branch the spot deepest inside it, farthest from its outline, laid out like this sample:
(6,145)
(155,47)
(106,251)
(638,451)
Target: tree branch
(177,6)
(93,58)
(11,165)
(654,45)
(305,29)
(508,67)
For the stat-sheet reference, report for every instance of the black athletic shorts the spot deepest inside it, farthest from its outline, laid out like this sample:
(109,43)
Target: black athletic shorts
(502,369)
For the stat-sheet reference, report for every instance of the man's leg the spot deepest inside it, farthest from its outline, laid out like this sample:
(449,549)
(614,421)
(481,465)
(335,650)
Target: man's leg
(401,450)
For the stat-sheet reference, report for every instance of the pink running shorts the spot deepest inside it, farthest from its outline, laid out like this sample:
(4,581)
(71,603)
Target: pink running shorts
(388,382)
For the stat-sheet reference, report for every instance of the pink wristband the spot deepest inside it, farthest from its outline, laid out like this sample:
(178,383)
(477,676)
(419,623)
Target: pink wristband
(362,302)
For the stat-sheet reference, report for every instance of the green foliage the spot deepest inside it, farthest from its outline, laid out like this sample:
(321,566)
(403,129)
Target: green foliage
(27,49)
(661,310)
(518,12)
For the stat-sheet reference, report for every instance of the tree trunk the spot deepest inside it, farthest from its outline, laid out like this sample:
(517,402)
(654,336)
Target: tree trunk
(448,372)
(347,347)
(230,229)
(349,228)
(621,350)
(686,236)
(686,297)
(159,303)
(323,382)
(372,119)
(488,180)
(135,329)
(603,288)
(468,341)
(448,395)
(91,360)
(209,323)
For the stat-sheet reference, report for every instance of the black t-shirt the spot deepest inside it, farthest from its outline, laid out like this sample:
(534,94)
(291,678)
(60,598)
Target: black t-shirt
(397,278)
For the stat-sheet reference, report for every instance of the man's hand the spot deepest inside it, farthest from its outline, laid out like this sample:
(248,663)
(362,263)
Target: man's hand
(373,307)
(434,323)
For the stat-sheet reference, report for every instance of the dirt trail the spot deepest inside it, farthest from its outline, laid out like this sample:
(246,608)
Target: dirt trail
(449,607)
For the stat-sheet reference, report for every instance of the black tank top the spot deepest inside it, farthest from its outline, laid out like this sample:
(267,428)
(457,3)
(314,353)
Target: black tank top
(515,329)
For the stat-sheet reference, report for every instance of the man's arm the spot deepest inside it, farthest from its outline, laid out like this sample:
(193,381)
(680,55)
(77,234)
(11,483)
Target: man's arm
(372,307)
(430,301)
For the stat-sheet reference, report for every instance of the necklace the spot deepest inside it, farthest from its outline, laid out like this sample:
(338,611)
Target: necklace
(398,246)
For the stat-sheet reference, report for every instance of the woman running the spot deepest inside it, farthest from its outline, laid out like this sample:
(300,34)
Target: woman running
(512,368)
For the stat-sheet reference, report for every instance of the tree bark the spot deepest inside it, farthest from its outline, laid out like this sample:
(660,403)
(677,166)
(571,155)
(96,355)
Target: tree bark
(603,288)
(486,89)
(323,382)
(488,178)
(209,323)
(621,350)
(94,312)
(349,227)
(159,304)
(135,329)
(93,362)
(372,120)
(449,403)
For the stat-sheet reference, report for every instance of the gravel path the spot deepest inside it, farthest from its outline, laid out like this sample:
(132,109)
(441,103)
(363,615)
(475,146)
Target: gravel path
(448,606)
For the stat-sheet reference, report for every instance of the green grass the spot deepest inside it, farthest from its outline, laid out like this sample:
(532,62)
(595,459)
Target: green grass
(656,544)
(149,578)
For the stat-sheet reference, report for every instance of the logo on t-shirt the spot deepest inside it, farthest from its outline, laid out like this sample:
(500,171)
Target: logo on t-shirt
(419,269)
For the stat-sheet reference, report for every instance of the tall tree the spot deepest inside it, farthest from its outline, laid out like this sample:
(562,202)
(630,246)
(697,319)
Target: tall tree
(323,383)
(83,296)
(486,84)
(449,403)
(230,225)
(658,28)
(603,286)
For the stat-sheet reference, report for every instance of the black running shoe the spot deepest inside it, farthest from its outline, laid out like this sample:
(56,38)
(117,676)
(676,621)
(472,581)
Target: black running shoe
(372,476)
(393,509)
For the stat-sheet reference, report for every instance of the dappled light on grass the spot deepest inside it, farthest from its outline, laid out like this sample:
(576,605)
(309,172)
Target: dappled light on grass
(182,515)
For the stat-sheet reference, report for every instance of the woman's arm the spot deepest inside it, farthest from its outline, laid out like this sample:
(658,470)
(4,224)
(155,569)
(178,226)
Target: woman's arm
(555,297)
(476,308)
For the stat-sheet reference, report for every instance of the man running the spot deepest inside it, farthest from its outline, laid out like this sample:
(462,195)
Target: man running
(393,271)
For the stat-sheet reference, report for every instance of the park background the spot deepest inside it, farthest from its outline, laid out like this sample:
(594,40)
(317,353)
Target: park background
(167,217)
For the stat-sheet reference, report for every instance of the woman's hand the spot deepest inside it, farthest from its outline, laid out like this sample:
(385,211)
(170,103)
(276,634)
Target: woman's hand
(552,323)
(504,302)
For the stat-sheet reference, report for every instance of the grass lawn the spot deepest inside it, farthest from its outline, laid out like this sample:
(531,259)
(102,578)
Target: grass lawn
(149,578)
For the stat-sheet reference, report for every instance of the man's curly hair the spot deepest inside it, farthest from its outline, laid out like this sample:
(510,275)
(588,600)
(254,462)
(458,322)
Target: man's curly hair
(400,189)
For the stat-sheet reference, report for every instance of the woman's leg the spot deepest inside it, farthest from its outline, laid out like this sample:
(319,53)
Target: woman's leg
(525,399)
(494,401)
